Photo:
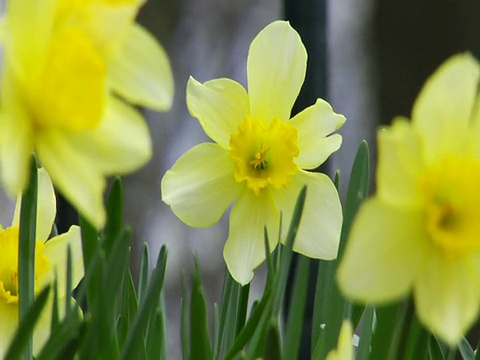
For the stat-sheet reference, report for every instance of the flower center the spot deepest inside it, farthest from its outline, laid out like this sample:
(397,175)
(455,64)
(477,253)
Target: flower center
(264,154)
(9,264)
(452,205)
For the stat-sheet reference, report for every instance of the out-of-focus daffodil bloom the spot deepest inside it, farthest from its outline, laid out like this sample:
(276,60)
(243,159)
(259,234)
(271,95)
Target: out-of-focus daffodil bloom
(344,349)
(420,232)
(50,261)
(259,157)
(68,67)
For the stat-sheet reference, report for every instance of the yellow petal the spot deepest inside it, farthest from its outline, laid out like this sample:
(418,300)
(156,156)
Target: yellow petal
(400,163)
(220,105)
(8,325)
(276,68)
(447,296)
(15,147)
(314,124)
(120,144)
(140,72)
(319,232)
(201,186)
(383,254)
(71,89)
(445,106)
(73,173)
(55,251)
(30,30)
(46,207)
(245,249)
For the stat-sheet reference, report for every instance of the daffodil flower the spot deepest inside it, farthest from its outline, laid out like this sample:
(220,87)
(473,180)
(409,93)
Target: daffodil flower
(259,157)
(420,233)
(50,262)
(68,66)
(344,350)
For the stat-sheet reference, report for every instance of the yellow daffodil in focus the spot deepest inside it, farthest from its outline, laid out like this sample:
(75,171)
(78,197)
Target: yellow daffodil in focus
(68,67)
(259,157)
(420,233)
(50,261)
(344,350)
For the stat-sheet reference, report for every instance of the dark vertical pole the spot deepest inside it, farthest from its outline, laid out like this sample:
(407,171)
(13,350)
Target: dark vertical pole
(308,17)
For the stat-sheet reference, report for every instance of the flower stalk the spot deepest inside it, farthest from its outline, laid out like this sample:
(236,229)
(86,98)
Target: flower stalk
(26,251)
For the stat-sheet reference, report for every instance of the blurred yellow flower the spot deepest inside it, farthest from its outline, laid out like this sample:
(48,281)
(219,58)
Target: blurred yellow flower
(344,350)
(259,157)
(420,232)
(50,261)
(68,66)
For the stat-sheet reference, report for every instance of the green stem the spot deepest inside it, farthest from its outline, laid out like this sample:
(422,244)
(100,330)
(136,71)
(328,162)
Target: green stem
(26,251)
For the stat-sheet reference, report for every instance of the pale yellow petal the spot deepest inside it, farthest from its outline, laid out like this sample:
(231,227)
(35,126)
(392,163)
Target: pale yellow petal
(55,251)
(400,163)
(276,67)
(3,28)
(108,24)
(140,72)
(8,325)
(245,246)
(74,174)
(447,296)
(46,207)
(30,30)
(201,186)
(319,232)
(314,124)
(383,254)
(219,105)
(445,106)
(15,147)
(121,143)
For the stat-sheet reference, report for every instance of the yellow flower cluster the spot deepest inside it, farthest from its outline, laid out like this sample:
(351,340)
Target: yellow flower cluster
(260,157)
(420,233)
(50,264)
(67,64)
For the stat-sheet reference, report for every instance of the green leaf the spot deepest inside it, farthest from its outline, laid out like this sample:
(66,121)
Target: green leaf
(225,305)
(89,241)
(466,350)
(26,250)
(338,306)
(286,254)
(273,346)
(184,321)
(258,316)
(384,333)
(154,338)
(114,223)
(25,330)
(128,306)
(134,341)
(295,321)
(242,308)
(69,286)
(434,350)
(64,340)
(363,351)
(200,347)
(144,271)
